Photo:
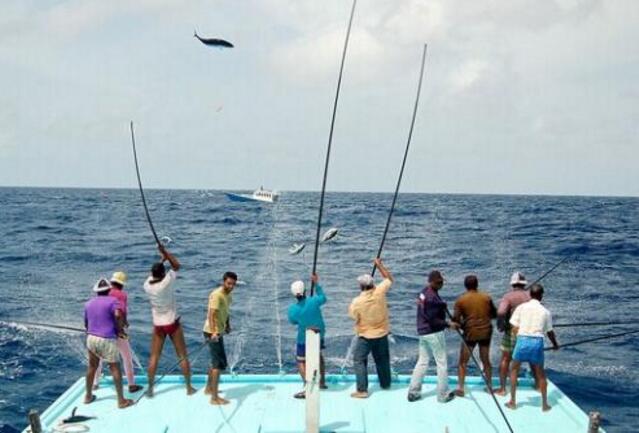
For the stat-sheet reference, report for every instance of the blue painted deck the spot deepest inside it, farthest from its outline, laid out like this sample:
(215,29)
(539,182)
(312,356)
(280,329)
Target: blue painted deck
(264,404)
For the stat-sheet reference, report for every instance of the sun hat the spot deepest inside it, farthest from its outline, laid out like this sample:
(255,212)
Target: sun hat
(365,280)
(297,288)
(119,277)
(518,279)
(102,285)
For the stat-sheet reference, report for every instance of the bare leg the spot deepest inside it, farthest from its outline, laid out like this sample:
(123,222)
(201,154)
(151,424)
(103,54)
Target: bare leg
(464,356)
(484,355)
(322,373)
(514,373)
(301,367)
(116,373)
(91,369)
(503,372)
(157,343)
(98,375)
(214,380)
(180,349)
(543,386)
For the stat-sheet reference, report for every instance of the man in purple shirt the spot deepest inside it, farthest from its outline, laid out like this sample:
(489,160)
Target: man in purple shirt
(509,302)
(431,324)
(102,320)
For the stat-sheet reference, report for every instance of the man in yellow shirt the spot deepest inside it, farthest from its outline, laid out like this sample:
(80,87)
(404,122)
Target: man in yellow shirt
(370,312)
(217,324)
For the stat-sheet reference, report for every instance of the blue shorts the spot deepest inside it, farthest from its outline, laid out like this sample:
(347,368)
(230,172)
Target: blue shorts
(529,349)
(301,350)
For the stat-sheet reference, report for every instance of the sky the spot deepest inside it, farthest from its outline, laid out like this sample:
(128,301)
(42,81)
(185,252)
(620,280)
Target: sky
(519,96)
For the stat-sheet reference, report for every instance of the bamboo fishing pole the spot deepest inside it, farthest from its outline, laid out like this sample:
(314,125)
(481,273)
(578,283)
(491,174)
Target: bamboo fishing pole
(146,208)
(330,142)
(401,171)
(591,340)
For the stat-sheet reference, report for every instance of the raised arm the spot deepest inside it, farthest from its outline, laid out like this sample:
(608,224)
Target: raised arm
(382,269)
(320,296)
(167,256)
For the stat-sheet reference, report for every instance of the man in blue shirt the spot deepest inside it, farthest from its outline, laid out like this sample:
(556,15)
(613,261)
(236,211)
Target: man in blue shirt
(306,313)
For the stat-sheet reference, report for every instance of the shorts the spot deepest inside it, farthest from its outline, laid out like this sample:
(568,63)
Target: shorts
(300,351)
(104,348)
(217,351)
(164,330)
(529,349)
(484,342)
(508,341)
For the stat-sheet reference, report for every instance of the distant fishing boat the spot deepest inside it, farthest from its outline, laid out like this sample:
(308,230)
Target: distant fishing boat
(261,194)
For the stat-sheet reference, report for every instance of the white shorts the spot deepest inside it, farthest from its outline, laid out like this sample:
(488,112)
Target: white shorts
(104,348)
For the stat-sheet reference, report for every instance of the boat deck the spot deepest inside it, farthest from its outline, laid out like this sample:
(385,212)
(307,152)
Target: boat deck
(264,404)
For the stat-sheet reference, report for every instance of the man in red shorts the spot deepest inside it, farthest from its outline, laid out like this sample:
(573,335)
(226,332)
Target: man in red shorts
(160,287)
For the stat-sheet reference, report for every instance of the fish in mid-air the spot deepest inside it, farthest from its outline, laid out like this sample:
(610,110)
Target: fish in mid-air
(213,42)
(296,248)
(330,234)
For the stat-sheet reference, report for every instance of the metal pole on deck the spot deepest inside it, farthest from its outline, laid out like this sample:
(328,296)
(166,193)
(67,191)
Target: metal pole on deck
(313,374)
(34,421)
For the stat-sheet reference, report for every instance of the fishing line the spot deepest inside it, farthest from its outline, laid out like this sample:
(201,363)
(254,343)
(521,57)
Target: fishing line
(330,142)
(137,171)
(401,171)
(548,272)
(47,325)
(567,325)
(590,340)
(483,374)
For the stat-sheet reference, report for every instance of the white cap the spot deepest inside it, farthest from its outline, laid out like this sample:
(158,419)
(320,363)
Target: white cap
(102,285)
(518,278)
(365,280)
(297,288)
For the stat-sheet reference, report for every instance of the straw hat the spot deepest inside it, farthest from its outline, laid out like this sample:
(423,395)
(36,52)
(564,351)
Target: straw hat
(119,277)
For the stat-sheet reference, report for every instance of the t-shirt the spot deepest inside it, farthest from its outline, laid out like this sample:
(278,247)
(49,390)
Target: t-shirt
(220,301)
(122,299)
(370,311)
(162,297)
(474,310)
(307,313)
(508,303)
(99,316)
(532,319)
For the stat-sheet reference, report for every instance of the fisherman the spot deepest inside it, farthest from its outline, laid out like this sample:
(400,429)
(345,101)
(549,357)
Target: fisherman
(306,313)
(431,324)
(474,311)
(103,322)
(216,325)
(160,286)
(509,302)
(530,322)
(370,312)
(118,280)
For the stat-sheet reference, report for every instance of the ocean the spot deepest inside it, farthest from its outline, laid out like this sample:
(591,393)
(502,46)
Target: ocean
(55,243)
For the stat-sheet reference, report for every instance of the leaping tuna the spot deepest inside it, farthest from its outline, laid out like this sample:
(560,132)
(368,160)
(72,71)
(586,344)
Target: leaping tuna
(330,234)
(213,42)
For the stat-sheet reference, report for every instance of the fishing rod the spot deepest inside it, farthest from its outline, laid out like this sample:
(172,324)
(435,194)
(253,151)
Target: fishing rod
(401,171)
(137,171)
(330,142)
(548,272)
(483,374)
(48,325)
(590,340)
(173,367)
(570,325)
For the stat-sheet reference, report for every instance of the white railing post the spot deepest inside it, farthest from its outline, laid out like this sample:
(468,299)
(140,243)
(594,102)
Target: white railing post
(313,375)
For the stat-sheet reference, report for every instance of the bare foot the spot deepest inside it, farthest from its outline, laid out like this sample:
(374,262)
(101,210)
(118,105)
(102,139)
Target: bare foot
(125,403)
(149,392)
(501,392)
(219,401)
(546,408)
(135,388)
(359,394)
(323,386)
(88,399)
(190,390)
(511,405)
(460,392)
(207,391)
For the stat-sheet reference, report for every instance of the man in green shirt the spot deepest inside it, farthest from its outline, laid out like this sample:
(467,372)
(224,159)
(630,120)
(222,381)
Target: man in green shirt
(217,324)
